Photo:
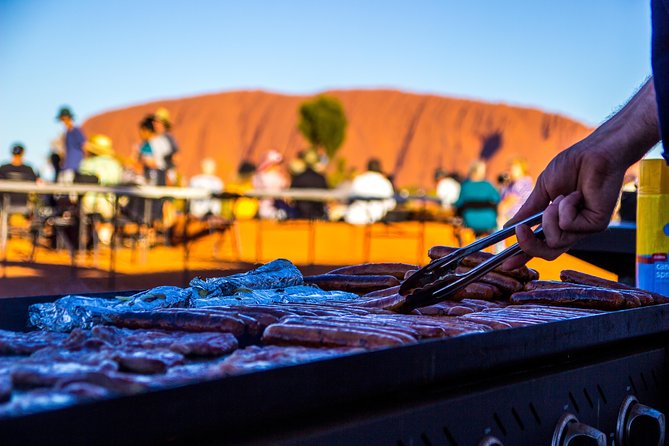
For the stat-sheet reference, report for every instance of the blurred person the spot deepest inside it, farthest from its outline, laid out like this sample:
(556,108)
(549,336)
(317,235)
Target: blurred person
(101,162)
(270,177)
(162,126)
(448,187)
(209,181)
(153,153)
(515,191)
(17,170)
(477,203)
(378,190)
(243,208)
(308,178)
(73,142)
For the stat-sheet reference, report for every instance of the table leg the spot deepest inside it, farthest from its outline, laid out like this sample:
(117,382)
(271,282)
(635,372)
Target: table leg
(82,227)
(4,224)
(185,241)
(112,246)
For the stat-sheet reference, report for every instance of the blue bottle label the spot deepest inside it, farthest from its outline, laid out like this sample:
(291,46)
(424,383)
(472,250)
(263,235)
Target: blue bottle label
(653,272)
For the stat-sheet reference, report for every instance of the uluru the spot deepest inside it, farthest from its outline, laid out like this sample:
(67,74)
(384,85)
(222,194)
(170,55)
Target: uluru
(412,134)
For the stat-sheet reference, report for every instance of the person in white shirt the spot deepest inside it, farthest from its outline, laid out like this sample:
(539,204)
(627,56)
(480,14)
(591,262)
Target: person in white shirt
(448,188)
(379,194)
(209,181)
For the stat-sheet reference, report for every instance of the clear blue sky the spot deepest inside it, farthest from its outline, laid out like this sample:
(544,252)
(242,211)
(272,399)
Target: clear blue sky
(579,58)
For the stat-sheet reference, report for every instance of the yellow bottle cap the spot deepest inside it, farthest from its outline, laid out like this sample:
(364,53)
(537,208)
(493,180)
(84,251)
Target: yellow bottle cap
(653,177)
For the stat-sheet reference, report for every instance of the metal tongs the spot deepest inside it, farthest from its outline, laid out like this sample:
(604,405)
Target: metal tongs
(438,280)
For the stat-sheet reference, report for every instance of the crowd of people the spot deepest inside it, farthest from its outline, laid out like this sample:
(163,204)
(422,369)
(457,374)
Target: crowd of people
(474,200)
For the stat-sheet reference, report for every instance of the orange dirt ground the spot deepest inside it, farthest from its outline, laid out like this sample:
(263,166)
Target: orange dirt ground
(315,247)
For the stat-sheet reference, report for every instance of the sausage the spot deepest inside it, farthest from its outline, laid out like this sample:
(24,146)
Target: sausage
(392,302)
(351,283)
(409,273)
(384,292)
(183,320)
(635,297)
(487,321)
(549,285)
(573,297)
(586,279)
(397,270)
(522,273)
(476,290)
(505,283)
(319,336)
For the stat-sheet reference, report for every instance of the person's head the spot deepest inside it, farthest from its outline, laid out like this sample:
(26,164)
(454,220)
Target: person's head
(208,166)
(374,165)
(99,145)
(146,129)
(272,160)
(297,166)
(17,151)
(477,171)
(311,158)
(246,170)
(66,116)
(517,168)
(161,120)
(439,173)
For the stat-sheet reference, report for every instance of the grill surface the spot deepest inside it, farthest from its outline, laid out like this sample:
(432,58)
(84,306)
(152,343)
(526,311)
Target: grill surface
(512,384)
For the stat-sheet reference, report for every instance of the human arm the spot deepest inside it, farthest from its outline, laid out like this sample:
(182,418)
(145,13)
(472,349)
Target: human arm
(579,188)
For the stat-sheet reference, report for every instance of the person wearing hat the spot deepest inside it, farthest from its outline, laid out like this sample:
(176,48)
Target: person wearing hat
(101,162)
(74,140)
(16,170)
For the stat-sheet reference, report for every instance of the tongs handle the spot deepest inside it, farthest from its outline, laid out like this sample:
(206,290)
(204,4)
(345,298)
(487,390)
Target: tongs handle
(496,237)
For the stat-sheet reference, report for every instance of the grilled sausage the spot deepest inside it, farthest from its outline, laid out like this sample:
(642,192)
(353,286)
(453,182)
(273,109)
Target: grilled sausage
(351,283)
(586,279)
(573,297)
(384,292)
(505,283)
(397,270)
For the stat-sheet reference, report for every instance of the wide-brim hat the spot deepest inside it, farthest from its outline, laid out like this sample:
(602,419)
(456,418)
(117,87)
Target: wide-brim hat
(99,145)
(162,114)
(65,112)
(272,158)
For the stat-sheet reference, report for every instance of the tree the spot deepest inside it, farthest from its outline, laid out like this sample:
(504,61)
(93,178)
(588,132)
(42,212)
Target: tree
(323,123)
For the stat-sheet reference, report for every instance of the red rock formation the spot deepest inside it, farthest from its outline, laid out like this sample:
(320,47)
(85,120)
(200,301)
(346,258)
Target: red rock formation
(412,134)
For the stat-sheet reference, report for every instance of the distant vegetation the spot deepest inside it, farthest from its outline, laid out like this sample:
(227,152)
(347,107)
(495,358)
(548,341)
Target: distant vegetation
(323,123)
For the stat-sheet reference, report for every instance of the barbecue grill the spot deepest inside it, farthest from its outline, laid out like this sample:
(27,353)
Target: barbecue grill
(566,382)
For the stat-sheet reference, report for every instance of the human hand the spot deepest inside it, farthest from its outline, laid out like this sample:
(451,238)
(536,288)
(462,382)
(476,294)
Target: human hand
(578,192)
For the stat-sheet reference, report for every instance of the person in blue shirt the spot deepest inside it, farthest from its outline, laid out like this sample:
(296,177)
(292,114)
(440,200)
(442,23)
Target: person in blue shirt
(477,203)
(74,144)
(579,188)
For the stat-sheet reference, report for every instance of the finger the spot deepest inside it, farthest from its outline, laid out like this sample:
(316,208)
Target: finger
(536,202)
(551,225)
(574,217)
(533,246)
(515,262)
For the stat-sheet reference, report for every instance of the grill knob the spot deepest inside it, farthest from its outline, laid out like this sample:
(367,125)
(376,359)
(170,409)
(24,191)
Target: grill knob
(490,441)
(639,425)
(569,432)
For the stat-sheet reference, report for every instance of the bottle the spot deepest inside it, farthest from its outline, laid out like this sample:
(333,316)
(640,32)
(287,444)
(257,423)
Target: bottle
(652,227)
